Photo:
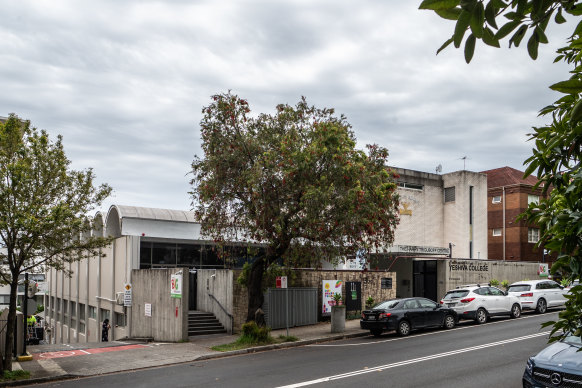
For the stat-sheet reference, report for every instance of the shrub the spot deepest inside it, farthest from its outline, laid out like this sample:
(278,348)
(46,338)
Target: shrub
(494,282)
(253,333)
(505,284)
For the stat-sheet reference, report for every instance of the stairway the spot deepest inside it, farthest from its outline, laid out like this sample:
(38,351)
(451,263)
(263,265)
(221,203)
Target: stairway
(201,323)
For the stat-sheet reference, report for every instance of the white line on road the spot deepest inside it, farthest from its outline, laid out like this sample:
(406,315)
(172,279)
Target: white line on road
(412,361)
(419,335)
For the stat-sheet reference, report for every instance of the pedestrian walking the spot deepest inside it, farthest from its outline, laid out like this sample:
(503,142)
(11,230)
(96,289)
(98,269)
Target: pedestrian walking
(105,330)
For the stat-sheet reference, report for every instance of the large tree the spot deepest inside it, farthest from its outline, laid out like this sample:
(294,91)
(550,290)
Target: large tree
(293,181)
(557,154)
(43,208)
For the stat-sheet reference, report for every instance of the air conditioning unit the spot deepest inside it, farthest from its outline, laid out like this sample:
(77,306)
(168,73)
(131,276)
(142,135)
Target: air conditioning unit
(119,298)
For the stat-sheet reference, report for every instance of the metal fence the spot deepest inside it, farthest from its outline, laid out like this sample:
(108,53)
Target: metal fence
(302,307)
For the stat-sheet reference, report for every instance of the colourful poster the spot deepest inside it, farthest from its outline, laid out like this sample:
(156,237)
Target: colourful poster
(330,288)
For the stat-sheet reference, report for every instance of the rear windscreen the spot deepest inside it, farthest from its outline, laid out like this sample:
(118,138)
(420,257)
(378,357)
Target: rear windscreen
(519,288)
(388,305)
(456,294)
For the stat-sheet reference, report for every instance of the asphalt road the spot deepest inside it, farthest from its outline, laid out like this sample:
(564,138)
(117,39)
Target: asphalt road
(490,355)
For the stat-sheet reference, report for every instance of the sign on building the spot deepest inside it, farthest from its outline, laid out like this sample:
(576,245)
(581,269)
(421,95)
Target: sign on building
(543,270)
(127,295)
(281,281)
(176,286)
(330,288)
(148,309)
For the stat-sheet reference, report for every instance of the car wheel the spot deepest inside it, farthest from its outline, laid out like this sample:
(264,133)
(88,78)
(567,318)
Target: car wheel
(481,316)
(515,311)
(542,306)
(403,328)
(449,322)
(376,332)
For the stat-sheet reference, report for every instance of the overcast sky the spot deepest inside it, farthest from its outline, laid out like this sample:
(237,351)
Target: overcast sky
(124,82)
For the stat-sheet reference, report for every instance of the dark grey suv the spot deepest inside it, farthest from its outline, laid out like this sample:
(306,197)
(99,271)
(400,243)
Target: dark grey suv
(558,365)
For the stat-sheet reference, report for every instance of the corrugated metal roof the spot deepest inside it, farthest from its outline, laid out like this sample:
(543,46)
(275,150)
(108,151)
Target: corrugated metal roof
(147,213)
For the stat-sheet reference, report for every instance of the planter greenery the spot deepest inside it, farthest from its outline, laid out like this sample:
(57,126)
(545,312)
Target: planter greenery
(369,302)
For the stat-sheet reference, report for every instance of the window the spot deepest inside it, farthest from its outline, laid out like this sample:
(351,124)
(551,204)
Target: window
(496,199)
(92,312)
(533,199)
(81,311)
(450,194)
(82,327)
(73,309)
(412,186)
(4,299)
(533,235)
(65,304)
(495,291)
(427,304)
(105,314)
(119,319)
(497,232)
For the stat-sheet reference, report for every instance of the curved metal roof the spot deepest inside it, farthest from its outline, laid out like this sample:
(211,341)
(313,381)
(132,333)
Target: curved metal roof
(147,213)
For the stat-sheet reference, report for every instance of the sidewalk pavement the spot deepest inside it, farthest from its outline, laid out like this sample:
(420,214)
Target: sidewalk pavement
(62,361)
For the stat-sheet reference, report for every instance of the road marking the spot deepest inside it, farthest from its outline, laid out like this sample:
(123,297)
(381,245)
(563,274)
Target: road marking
(412,361)
(421,335)
(81,352)
(52,367)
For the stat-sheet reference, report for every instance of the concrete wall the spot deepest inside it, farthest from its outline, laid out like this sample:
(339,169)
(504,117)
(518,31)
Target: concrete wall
(169,316)
(461,272)
(218,283)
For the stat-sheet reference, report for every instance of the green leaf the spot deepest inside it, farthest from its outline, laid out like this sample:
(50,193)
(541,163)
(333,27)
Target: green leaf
(499,4)
(541,37)
(490,14)
(444,46)
(576,113)
(461,27)
(449,14)
(506,29)
(489,38)
(518,36)
(572,86)
(576,10)
(477,20)
(532,46)
(521,6)
(559,19)
(470,48)
(438,5)
(578,29)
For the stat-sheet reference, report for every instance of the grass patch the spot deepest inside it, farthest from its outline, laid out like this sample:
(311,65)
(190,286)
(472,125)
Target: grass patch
(15,375)
(252,336)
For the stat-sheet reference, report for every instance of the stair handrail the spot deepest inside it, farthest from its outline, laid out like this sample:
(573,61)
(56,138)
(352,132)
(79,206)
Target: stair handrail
(226,312)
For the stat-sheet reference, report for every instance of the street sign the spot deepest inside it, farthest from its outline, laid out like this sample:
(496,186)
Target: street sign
(281,281)
(127,295)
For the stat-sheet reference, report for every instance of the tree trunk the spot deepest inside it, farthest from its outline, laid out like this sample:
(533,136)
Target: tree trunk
(255,287)
(11,325)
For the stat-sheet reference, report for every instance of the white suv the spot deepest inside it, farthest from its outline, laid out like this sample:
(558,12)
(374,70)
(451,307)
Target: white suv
(538,294)
(480,302)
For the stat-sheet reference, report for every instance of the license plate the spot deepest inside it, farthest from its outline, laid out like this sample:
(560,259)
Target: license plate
(451,304)
(371,317)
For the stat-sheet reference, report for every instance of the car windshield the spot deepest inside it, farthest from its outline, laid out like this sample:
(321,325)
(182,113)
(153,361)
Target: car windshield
(519,288)
(572,339)
(456,294)
(388,305)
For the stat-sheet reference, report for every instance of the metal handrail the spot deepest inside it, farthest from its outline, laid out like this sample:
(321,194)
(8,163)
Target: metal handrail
(226,312)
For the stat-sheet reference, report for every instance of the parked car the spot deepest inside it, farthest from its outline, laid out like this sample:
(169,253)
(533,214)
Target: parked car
(480,302)
(538,295)
(405,315)
(573,284)
(558,365)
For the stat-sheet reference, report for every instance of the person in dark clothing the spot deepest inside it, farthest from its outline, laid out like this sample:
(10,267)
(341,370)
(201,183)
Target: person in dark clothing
(105,330)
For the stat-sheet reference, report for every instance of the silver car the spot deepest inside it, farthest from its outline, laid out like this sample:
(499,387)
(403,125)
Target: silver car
(480,302)
(538,295)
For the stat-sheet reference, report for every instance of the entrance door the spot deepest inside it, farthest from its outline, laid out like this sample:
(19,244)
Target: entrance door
(425,279)
(192,291)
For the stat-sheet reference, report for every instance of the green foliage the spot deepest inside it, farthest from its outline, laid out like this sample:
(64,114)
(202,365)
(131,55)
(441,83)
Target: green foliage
(39,309)
(494,282)
(252,333)
(557,156)
(370,301)
(290,338)
(269,277)
(292,180)
(43,207)
(505,284)
(337,297)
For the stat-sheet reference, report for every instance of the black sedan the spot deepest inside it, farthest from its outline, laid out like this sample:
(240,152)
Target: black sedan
(404,315)
(558,365)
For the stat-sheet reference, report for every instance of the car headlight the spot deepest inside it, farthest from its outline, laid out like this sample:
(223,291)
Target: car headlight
(529,366)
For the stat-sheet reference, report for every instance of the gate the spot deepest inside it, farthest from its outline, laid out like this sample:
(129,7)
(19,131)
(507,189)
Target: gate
(302,307)
(353,296)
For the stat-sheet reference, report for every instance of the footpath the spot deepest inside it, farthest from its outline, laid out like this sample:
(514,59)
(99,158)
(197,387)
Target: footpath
(64,361)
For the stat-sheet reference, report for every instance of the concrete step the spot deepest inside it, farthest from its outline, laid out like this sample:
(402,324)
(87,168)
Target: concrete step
(201,323)
(206,331)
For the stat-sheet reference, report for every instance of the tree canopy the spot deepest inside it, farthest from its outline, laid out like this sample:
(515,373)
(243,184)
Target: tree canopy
(557,154)
(43,208)
(293,181)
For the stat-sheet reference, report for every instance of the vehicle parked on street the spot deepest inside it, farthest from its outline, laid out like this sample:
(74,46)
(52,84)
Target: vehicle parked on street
(558,365)
(538,295)
(573,284)
(481,302)
(405,315)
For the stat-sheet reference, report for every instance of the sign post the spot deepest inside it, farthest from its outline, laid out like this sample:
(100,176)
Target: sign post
(127,295)
(282,283)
